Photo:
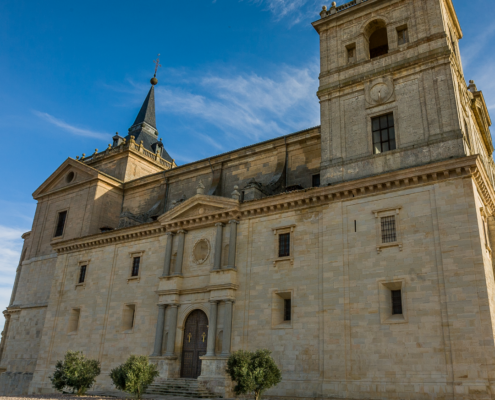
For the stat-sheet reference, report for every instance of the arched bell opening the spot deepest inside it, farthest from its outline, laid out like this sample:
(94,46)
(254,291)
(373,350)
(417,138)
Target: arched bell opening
(377,38)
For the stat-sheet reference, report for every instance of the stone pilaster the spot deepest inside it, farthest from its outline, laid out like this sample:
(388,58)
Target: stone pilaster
(180,252)
(217,257)
(232,242)
(212,329)
(168,254)
(227,328)
(157,350)
(172,329)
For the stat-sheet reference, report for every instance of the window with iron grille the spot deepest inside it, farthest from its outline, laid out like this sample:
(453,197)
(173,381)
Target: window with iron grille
(396,302)
(389,232)
(62,216)
(287,310)
(284,245)
(383,133)
(316,180)
(135,266)
(82,273)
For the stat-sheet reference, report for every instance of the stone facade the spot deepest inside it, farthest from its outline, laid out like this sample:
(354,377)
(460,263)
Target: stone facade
(207,236)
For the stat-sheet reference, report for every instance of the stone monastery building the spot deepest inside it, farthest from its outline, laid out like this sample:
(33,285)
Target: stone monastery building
(357,251)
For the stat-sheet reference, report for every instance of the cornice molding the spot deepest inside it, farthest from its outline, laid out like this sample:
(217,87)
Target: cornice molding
(471,166)
(104,239)
(204,289)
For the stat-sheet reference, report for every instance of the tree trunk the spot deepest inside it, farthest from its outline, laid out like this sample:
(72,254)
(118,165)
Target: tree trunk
(257,396)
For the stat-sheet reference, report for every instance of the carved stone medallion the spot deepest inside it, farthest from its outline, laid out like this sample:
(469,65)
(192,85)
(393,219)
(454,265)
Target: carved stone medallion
(379,91)
(201,251)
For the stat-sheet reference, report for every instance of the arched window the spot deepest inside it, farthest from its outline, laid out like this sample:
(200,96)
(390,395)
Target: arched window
(376,32)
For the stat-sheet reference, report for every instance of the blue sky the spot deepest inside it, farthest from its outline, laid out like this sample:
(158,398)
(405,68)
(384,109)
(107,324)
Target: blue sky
(234,72)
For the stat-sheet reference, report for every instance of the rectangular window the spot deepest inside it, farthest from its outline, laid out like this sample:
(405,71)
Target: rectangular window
(61,223)
(351,54)
(284,245)
(403,36)
(383,133)
(396,302)
(74,320)
(389,232)
(316,180)
(82,273)
(287,310)
(135,266)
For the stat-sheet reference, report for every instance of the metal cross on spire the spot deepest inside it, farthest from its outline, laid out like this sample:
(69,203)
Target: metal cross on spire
(157,64)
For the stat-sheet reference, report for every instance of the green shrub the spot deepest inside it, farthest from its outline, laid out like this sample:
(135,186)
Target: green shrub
(134,376)
(253,372)
(75,372)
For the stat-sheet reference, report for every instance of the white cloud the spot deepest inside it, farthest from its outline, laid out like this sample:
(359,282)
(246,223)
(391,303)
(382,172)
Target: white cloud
(10,250)
(247,105)
(70,128)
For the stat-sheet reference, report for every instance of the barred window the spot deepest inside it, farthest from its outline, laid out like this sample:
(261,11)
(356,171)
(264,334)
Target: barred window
(284,245)
(389,232)
(396,302)
(383,133)
(62,216)
(135,266)
(82,273)
(287,310)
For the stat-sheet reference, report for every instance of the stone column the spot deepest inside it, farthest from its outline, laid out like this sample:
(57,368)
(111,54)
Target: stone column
(227,328)
(168,254)
(212,329)
(232,243)
(172,329)
(217,259)
(157,350)
(180,252)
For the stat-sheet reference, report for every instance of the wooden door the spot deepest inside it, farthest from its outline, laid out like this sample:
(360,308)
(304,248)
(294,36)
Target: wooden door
(194,344)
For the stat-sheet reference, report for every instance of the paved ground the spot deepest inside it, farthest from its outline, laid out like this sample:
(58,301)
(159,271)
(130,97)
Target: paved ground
(96,396)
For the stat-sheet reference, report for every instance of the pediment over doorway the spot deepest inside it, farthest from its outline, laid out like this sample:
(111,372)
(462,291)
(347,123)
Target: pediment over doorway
(200,210)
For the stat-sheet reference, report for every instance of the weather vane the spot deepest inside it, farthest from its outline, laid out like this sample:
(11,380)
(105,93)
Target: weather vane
(154,81)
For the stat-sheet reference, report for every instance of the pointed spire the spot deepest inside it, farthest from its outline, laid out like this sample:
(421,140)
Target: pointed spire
(147,112)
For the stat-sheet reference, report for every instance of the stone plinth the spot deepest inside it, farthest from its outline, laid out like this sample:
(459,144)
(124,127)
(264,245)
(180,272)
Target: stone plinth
(213,376)
(168,366)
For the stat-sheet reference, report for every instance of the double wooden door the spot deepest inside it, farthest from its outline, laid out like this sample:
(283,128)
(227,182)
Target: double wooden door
(195,341)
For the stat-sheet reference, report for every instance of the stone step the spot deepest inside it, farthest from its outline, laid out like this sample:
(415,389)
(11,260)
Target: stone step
(180,387)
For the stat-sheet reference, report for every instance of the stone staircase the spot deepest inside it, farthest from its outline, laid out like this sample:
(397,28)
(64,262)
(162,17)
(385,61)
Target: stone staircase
(180,387)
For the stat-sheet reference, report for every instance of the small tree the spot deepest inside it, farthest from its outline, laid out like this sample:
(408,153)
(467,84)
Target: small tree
(75,372)
(253,372)
(134,376)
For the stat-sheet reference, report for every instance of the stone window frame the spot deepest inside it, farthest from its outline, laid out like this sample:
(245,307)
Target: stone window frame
(385,288)
(394,27)
(78,272)
(486,231)
(132,255)
(387,212)
(75,331)
(277,232)
(278,297)
(350,46)
(61,210)
(131,329)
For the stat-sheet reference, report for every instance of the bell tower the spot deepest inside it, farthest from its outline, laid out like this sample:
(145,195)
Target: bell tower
(392,89)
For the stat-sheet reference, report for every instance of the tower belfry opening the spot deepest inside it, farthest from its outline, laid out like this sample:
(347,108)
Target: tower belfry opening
(378,43)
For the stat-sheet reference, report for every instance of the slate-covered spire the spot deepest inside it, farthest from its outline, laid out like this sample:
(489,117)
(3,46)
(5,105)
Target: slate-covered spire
(144,127)
(147,112)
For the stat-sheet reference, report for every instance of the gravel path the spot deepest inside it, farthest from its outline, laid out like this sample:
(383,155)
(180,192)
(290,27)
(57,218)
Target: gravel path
(56,396)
